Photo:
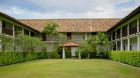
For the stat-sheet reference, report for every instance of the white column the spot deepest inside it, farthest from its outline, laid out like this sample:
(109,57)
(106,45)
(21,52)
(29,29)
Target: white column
(79,55)
(63,55)
(86,36)
(0,33)
(121,33)
(116,46)
(22,30)
(128,30)
(138,43)
(121,45)
(138,25)
(128,44)
(29,33)
(0,27)
(13,30)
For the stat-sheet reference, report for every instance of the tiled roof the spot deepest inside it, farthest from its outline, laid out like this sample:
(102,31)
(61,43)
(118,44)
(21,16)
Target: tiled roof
(70,44)
(74,25)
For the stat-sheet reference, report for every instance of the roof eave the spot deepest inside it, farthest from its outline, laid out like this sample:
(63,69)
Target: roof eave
(136,11)
(13,19)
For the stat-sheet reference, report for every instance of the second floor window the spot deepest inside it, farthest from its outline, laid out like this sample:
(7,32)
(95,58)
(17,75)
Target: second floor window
(26,32)
(133,27)
(118,33)
(124,31)
(113,36)
(7,28)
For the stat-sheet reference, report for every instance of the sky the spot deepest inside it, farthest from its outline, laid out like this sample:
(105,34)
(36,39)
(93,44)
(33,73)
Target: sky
(60,9)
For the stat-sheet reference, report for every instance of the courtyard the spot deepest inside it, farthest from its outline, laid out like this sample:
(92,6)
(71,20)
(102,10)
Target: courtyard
(69,68)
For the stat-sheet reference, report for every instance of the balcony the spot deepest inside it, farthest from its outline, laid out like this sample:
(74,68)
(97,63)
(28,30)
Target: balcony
(118,34)
(133,27)
(113,36)
(124,33)
(7,31)
(133,30)
(58,39)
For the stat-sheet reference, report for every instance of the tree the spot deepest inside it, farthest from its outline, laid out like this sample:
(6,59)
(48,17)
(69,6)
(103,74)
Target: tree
(103,45)
(6,42)
(50,28)
(88,46)
(27,43)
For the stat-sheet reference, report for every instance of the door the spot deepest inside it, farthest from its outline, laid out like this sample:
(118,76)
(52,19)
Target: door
(73,51)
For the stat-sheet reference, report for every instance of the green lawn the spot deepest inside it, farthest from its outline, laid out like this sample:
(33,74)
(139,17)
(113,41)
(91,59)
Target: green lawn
(69,68)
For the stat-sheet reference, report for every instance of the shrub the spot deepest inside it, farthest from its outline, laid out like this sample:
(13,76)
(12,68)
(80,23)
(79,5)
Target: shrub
(127,57)
(55,55)
(7,58)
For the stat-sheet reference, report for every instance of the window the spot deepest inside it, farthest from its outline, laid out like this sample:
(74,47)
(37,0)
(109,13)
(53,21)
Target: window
(130,47)
(93,33)
(113,35)
(7,28)
(32,34)
(69,35)
(124,31)
(18,30)
(133,27)
(118,33)
(44,38)
(26,32)
(124,48)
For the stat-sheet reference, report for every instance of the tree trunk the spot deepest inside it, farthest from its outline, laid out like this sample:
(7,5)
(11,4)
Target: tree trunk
(88,55)
(79,55)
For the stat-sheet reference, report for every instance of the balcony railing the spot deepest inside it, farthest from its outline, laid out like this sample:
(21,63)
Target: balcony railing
(7,31)
(64,39)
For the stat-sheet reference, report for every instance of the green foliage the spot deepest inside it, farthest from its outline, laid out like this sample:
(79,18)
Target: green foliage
(88,46)
(21,43)
(55,55)
(8,58)
(128,57)
(50,28)
(26,43)
(6,42)
(103,46)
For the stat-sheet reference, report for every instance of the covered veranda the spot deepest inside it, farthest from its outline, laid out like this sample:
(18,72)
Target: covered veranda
(73,46)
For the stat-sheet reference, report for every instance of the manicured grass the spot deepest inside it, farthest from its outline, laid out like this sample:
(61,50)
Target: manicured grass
(69,68)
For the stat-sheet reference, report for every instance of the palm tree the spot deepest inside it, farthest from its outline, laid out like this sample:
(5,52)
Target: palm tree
(50,30)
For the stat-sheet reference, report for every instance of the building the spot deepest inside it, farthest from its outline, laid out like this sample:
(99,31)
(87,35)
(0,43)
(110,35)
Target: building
(74,30)
(11,27)
(124,33)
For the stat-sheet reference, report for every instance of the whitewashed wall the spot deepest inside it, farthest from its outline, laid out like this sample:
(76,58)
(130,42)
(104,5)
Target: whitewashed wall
(133,43)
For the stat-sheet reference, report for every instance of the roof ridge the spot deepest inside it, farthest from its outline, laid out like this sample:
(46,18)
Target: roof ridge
(77,19)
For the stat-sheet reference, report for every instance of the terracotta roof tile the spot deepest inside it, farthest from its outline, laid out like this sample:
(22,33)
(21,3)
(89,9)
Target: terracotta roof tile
(74,25)
(70,44)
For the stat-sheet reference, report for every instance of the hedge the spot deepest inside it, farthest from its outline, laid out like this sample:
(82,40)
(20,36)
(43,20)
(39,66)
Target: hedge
(7,58)
(127,57)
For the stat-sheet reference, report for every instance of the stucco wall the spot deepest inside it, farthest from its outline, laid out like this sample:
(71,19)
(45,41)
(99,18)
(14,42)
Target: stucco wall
(133,43)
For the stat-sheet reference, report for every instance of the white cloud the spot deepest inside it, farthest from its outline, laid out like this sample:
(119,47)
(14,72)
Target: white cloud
(72,9)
